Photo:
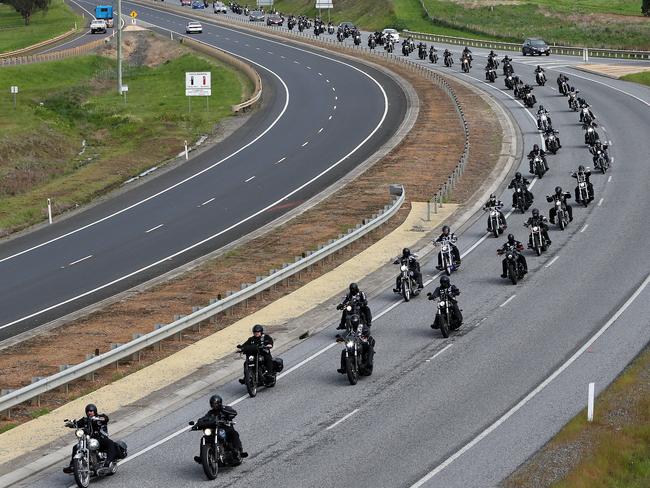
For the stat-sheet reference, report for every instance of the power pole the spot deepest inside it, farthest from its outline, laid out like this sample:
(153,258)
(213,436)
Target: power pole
(119,47)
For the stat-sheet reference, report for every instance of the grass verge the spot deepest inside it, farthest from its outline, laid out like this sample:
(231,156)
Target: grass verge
(14,34)
(62,103)
(612,451)
(643,78)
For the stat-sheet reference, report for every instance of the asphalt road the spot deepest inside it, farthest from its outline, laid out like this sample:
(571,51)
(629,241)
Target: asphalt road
(468,410)
(321,118)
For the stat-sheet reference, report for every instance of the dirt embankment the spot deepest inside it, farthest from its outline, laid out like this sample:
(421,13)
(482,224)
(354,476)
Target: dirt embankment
(423,161)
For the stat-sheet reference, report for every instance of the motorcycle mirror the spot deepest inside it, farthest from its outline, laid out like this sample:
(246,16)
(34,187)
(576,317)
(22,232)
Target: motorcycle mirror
(191,422)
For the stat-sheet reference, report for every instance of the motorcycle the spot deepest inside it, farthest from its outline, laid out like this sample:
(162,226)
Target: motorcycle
(446,256)
(536,239)
(591,136)
(88,460)
(539,169)
(514,268)
(490,75)
(520,198)
(372,43)
(422,52)
(573,100)
(449,60)
(408,287)
(582,191)
(255,372)
(405,49)
(561,215)
(544,122)
(340,36)
(433,57)
(357,39)
(510,82)
(330,29)
(357,355)
(494,224)
(215,451)
(444,319)
(389,46)
(529,100)
(601,162)
(291,23)
(508,70)
(551,141)
(564,88)
(585,116)
(465,65)
(540,78)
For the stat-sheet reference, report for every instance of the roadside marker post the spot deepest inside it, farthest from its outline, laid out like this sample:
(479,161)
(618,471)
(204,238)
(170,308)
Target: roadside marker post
(590,403)
(49,210)
(14,92)
(186,153)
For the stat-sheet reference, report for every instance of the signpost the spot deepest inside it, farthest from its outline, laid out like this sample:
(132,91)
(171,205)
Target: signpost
(125,89)
(133,15)
(198,84)
(14,91)
(265,3)
(325,4)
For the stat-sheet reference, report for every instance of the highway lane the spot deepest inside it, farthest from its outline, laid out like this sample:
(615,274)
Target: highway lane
(430,397)
(284,155)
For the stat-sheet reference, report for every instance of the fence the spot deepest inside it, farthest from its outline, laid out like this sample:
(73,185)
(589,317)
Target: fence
(55,55)
(47,42)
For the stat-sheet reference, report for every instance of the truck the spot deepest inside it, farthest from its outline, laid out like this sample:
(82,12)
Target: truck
(105,13)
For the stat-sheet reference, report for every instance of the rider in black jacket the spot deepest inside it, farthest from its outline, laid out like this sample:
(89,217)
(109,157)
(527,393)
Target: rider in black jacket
(538,220)
(100,429)
(515,245)
(360,297)
(452,292)
(265,343)
(585,173)
(520,181)
(411,261)
(451,238)
(563,197)
(224,412)
(497,205)
(537,151)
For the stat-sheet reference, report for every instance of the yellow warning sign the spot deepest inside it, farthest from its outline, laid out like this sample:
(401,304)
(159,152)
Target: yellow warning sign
(133,14)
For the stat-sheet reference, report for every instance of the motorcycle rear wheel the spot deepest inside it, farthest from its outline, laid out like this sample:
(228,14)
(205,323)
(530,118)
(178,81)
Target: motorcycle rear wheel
(561,223)
(351,370)
(81,473)
(209,461)
(251,382)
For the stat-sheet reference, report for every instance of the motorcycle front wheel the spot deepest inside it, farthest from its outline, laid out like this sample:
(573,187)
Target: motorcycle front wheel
(81,473)
(512,273)
(251,382)
(351,370)
(406,291)
(209,461)
(444,326)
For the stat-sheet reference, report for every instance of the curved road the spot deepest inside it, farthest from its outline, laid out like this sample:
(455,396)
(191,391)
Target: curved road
(468,410)
(322,117)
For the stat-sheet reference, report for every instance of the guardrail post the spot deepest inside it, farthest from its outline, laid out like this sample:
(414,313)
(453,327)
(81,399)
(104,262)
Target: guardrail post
(37,400)
(3,392)
(63,367)
(178,334)
(197,327)
(115,345)
(157,347)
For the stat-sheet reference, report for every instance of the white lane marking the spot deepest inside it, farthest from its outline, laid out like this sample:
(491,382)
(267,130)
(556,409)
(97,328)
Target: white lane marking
(249,179)
(533,393)
(507,301)
(327,80)
(296,62)
(613,88)
(334,107)
(343,419)
(550,263)
(333,89)
(336,98)
(79,260)
(305,143)
(308,67)
(280,160)
(320,130)
(255,48)
(154,228)
(584,228)
(610,176)
(207,201)
(247,45)
(600,202)
(283,57)
(554,89)
(320,74)
(269,52)
(439,352)
(329,118)
(603,127)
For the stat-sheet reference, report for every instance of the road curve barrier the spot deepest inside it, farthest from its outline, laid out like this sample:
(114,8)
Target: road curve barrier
(131,350)
(46,42)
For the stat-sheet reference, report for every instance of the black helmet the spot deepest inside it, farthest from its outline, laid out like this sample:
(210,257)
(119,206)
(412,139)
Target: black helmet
(444,281)
(406,252)
(535,147)
(258,328)
(535,212)
(91,407)
(581,168)
(493,196)
(511,238)
(216,402)
(541,107)
(517,175)
(539,67)
(354,320)
(558,190)
(354,288)
(445,229)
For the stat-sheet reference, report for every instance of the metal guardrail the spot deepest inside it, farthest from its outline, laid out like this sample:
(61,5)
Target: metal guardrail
(127,350)
(46,42)
(55,55)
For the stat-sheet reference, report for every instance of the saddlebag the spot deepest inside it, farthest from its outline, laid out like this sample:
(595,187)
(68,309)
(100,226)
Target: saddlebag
(278,364)
(121,449)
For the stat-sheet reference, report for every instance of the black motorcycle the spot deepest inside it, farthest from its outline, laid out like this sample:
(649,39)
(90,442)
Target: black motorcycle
(88,460)
(509,81)
(520,198)
(573,100)
(448,60)
(465,64)
(582,191)
(494,224)
(255,373)
(408,286)
(445,320)
(433,56)
(551,141)
(215,450)
(508,70)
(536,240)
(357,357)
(490,75)
(561,215)
(600,161)
(540,77)
(357,39)
(591,135)
(422,52)
(514,267)
(529,100)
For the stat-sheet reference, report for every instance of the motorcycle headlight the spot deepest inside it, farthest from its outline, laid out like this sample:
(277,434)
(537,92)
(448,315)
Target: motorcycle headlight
(404,267)
(93,444)
(207,431)
(599,152)
(442,304)
(348,308)
(582,184)
(79,433)
(558,203)
(251,358)
(349,344)
(445,248)
(535,229)
(510,256)
(518,190)
(493,213)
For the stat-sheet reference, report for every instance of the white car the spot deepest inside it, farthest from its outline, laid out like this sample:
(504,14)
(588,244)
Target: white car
(393,33)
(194,28)
(98,26)
(219,7)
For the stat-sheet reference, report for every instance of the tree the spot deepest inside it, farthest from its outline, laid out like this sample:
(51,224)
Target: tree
(28,7)
(645,7)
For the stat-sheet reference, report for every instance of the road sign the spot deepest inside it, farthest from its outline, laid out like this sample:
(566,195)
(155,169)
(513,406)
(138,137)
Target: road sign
(14,89)
(198,84)
(133,14)
(265,3)
(324,4)
(125,88)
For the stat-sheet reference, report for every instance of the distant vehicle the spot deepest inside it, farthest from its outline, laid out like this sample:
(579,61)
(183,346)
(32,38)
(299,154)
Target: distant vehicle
(274,19)
(392,33)
(105,13)
(194,28)
(349,25)
(219,7)
(186,3)
(98,26)
(256,16)
(198,5)
(534,46)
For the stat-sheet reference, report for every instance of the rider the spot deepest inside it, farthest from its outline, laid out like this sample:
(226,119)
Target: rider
(512,245)
(539,69)
(451,238)
(224,413)
(519,180)
(584,104)
(491,64)
(467,54)
(452,291)
(538,220)
(367,348)
(599,146)
(537,151)
(561,78)
(360,297)
(100,432)
(411,261)
(562,197)
(585,174)
(447,54)
(265,343)
(497,205)
(542,111)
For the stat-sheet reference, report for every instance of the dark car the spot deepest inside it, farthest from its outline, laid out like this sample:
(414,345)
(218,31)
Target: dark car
(256,16)
(274,19)
(534,46)
(349,25)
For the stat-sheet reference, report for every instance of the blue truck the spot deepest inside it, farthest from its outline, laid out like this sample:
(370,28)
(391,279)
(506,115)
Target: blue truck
(105,12)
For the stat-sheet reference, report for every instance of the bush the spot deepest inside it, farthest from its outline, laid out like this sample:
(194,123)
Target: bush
(645,8)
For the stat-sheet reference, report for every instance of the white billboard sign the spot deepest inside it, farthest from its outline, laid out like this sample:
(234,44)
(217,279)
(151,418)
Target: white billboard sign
(324,4)
(198,84)
(265,3)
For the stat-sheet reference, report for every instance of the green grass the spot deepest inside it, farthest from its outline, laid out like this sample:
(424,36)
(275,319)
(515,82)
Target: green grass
(4,428)
(643,78)
(14,34)
(39,412)
(39,143)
